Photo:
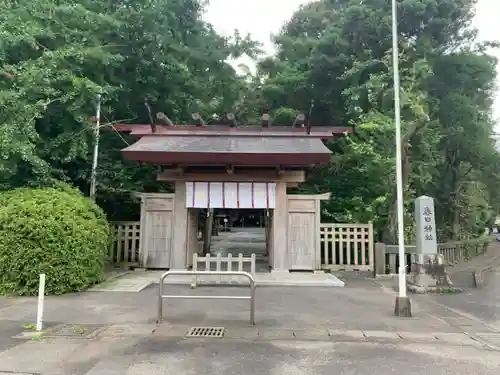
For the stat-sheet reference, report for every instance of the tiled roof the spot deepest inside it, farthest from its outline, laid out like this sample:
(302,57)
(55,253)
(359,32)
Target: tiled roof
(228,150)
(226,144)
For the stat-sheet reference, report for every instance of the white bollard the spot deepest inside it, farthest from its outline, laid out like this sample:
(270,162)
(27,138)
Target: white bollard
(41,296)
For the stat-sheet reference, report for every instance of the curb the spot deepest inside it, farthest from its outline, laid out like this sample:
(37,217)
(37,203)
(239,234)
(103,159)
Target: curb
(479,281)
(117,276)
(478,273)
(255,334)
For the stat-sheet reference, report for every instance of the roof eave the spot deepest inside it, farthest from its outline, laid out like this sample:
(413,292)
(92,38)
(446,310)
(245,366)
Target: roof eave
(236,159)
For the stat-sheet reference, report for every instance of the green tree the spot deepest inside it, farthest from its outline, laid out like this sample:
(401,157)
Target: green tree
(339,53)
(463,99)
(56,56)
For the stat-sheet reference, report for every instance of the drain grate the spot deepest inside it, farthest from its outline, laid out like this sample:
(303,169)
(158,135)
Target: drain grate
(74,330)
(205,332)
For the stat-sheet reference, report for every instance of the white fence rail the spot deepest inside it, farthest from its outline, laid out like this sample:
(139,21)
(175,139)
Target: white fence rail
(219,263)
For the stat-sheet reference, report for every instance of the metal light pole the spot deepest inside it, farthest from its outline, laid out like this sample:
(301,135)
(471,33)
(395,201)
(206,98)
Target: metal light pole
(403,306)
(93,174)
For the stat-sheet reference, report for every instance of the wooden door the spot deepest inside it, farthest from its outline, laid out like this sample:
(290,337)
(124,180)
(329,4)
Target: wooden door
(301,241)
(157,232)
(301,234)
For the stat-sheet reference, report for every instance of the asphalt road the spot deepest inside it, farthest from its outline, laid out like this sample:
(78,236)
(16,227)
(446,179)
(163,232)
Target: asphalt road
(221,357)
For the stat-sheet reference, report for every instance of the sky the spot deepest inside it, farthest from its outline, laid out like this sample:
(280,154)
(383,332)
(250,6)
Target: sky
(262,18)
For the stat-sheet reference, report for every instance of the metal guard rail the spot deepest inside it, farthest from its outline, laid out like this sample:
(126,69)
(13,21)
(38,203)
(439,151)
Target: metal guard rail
(250,278)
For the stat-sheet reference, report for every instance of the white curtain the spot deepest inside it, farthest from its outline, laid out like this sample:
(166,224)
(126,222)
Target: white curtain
(231,195)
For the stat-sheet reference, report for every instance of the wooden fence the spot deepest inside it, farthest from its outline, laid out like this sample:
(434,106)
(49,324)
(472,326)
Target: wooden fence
(452,253)
(347,247)
(343,246)
(126,243)
(221,263)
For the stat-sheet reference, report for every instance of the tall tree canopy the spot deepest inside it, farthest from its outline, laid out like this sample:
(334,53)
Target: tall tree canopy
(339,54)
(56,56)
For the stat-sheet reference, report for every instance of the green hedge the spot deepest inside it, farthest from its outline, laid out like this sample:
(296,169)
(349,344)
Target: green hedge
(56,231)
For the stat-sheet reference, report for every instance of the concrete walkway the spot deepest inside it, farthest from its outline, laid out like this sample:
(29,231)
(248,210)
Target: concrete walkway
(246,241)
(299,331)
(365,307)
(138,281)
(463,274)
(479,304)
(240,240)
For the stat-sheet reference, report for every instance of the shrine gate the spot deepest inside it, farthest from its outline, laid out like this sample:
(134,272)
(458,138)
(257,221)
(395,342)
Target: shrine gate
(222,167)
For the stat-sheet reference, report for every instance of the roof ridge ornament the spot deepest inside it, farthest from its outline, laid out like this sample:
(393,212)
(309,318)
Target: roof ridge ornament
(311,107)
(164,118)
(299,121)
(198,119)
(151,121)
(266,120)
(232,120)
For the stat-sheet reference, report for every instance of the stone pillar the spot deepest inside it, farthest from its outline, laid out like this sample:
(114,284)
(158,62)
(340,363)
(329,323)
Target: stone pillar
(425,225)
(179,228)
(427,272)
(380,258)
(278,241)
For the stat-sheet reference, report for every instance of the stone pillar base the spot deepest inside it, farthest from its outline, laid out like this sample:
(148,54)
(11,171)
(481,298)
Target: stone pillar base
(402,307)
(429,275)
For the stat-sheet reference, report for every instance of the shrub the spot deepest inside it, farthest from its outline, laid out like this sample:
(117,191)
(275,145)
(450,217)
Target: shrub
(56,231)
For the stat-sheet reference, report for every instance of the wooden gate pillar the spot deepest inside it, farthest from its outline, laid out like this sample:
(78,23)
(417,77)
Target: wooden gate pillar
(179,228)
(279,223)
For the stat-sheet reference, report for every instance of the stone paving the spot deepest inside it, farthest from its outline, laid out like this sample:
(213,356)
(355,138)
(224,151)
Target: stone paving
(240,240)
(245,241)
(138,281)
